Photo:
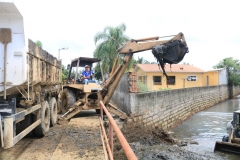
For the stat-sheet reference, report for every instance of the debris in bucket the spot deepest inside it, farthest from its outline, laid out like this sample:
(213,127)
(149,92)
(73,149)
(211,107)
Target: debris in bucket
(171,52)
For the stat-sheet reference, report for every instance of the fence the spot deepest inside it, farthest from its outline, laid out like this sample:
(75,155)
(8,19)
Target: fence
(109,142)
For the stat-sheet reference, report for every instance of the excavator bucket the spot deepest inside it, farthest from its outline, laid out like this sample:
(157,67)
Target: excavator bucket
(171,52)
(227,147)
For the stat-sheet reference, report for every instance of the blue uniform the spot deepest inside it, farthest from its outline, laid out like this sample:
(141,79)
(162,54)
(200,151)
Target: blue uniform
(87,74)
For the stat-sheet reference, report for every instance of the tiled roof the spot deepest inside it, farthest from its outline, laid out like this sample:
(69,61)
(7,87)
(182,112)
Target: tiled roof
(174,68)
(216,70)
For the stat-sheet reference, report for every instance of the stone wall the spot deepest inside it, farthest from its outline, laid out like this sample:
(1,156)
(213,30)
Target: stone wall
(236,90)
(168,109)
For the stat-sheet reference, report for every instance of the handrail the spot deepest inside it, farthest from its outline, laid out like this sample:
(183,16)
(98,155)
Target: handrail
(112,124)
(110,154)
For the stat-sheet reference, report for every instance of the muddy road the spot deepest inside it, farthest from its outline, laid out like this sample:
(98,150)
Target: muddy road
(79,139)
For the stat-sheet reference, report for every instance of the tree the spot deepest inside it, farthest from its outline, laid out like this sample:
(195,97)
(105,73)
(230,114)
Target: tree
(39,43)
(107,43)
(141,60)
(64,73)
(98,74)
(233,69)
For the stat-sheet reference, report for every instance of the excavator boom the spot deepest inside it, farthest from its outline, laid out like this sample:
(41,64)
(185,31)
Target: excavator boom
(144,44)
(166,51)
(171,55)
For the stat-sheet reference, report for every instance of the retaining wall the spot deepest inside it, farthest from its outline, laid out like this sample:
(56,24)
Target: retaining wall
(168,109)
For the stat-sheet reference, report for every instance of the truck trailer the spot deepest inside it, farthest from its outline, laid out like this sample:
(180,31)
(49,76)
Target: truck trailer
(30,80)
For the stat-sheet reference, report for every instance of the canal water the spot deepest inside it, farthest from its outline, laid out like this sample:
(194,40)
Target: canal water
(207,127)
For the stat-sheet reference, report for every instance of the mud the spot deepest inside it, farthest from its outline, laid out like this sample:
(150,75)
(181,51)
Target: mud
(194,139)
(146,135)
(154,143)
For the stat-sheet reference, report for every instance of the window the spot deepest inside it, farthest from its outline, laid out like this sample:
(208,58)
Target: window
(171,80)
(157,80)
(191,78)
(142,79)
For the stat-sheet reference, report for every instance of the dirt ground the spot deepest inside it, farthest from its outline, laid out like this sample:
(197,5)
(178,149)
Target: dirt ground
(155,144)
(79,139)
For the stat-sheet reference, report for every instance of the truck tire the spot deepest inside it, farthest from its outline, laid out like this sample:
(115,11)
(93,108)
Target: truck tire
(59,106)
(44,126)
(68,98)
(53,111)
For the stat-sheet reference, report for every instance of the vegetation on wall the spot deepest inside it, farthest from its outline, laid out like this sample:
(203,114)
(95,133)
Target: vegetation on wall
(142,87)
(39,43)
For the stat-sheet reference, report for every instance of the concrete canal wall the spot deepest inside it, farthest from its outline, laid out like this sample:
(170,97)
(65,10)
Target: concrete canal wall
(168,109)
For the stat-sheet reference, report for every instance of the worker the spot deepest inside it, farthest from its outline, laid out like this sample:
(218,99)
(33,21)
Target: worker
(230,130)
(87,75)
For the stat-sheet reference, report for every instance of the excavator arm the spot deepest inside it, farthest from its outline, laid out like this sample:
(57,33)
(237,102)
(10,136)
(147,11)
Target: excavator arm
(140,45)
(144,44)
(166,51)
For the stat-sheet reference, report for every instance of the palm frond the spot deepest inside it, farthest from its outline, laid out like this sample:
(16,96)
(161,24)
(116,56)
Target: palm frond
(109,41)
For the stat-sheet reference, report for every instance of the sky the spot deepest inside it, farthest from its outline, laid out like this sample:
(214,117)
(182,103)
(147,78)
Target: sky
(211,28)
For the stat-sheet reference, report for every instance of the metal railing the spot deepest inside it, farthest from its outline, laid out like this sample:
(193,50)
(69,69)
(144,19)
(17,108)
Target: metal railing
(109,141)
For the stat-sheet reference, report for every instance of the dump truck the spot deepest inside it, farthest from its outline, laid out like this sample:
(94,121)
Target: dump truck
(231,143)
(77,96)
(30,81)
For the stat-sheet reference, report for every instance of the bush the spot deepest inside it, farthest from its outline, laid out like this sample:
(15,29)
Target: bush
(142,87)
(164,89)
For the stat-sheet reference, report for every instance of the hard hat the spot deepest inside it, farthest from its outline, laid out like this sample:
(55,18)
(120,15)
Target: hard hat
(87,66)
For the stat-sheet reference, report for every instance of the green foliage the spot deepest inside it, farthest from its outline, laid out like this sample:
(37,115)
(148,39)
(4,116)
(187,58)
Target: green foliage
(142,87)
(141,60)
(233,70)
(131,63)
(107,43)
(64,73)
(164,89)
(138,61)
(98,74)
(39,43)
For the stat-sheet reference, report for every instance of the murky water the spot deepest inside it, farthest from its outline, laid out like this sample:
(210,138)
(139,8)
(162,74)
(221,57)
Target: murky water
(207,127)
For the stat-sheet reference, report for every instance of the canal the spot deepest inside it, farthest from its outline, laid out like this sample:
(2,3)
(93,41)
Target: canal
(207,127)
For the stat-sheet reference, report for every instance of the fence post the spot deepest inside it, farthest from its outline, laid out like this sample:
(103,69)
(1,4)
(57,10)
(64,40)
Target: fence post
(111,136)
(101,112)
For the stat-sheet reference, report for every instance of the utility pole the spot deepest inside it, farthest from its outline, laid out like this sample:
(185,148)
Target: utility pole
(59,52)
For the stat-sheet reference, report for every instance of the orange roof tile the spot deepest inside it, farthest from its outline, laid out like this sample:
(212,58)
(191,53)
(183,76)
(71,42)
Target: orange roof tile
(174,68)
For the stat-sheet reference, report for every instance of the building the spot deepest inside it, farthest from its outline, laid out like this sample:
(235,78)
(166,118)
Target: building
(180,76)
(216,77)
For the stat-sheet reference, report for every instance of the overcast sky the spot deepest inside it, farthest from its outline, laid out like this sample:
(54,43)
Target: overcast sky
(211,28)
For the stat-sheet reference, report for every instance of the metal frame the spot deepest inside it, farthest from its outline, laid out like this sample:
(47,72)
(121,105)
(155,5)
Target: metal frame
(9,119)
(109,142)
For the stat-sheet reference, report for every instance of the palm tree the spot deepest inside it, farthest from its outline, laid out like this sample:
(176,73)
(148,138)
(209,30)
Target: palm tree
(141,60)
(107,43)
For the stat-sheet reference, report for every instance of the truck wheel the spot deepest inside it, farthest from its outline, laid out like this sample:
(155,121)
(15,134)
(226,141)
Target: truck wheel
(59,106)
(68,98)
(53,111)
(44,126)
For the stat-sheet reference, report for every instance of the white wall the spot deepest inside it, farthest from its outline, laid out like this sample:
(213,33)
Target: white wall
(223,76)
